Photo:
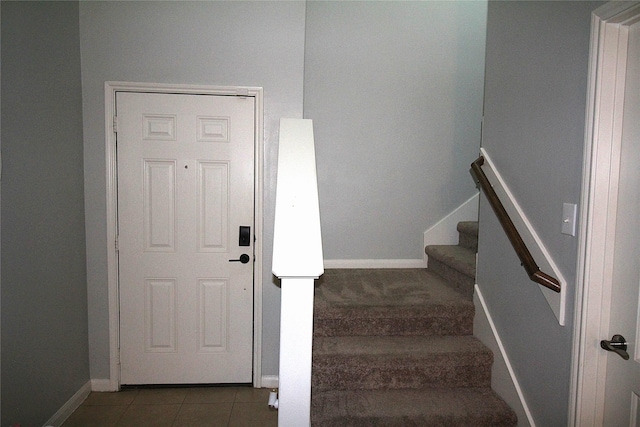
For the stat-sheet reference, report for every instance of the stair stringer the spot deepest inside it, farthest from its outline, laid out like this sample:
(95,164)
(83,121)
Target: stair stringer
(444,231)
(503,379)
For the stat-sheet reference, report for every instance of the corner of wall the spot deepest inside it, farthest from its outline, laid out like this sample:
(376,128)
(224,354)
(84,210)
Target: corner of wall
(101,385)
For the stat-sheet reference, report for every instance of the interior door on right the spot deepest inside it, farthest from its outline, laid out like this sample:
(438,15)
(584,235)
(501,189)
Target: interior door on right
(622,401)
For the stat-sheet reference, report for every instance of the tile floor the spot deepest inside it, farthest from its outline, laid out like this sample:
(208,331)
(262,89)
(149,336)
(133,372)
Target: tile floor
(177,407)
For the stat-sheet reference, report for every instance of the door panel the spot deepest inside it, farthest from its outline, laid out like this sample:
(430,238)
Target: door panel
(213,194)
(185,186)
(159,205)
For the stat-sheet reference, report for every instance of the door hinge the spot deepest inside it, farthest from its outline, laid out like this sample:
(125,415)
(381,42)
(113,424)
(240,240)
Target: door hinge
(115,124)
(117,244)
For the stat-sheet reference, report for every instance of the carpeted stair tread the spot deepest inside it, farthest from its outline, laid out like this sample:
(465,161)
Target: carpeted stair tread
(457,257)
(478,407)
(437,319)
(389,302)
(395,348)
(382,287)
(434,347)
(400,362)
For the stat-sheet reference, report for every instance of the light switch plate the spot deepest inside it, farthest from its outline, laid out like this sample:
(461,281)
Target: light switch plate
(569,212)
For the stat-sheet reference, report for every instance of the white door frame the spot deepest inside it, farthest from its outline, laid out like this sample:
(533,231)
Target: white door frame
(112,216)
(607,70)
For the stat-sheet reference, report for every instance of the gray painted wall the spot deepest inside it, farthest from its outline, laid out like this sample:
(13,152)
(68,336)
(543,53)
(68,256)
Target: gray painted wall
(535,95)
(411,71)
(395,91)
(536,86)
(215,43)
(44,297)
(429,121)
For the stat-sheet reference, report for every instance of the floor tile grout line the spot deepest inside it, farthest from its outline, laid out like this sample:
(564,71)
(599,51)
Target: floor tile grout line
(235,397)
(122,414)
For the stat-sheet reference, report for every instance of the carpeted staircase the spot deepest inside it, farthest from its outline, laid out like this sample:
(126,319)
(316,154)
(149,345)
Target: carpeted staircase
(395,347)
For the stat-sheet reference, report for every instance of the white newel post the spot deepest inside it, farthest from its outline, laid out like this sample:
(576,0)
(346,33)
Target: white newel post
(296,332)
(297,261)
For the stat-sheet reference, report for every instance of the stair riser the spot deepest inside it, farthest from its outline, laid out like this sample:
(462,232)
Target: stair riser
(410,378)
(409,421)
(468,235)
(468,241)
(441,326)
(466,407)
(343,375)
(458,280)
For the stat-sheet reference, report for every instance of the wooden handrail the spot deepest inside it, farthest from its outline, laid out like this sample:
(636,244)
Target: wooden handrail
(518,244)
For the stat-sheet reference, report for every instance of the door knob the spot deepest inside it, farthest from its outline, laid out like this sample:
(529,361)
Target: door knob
(244,258)
(617,344)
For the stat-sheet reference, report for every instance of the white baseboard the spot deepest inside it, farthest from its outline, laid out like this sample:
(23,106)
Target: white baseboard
(102,385)
(503,379)
(444,232)
(72,404)
(374,263)
(269,381)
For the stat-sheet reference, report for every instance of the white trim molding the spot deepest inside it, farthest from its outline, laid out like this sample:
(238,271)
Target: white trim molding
(110,90)
(607,72)
(503,377)
(100,385)
(270,381)
(70,406)
(442,233)
(557,301)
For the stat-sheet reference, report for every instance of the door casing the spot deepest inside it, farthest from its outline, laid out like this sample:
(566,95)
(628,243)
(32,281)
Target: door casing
(607,69)
(111,88)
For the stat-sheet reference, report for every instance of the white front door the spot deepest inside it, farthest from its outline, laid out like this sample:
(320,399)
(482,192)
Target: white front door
(185,188)
(622,392)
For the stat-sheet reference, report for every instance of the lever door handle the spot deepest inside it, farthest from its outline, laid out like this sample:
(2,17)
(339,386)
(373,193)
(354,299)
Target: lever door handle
(617,344)
(244,258)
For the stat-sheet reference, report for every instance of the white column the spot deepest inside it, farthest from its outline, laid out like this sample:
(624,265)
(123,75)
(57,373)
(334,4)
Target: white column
(296,337)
